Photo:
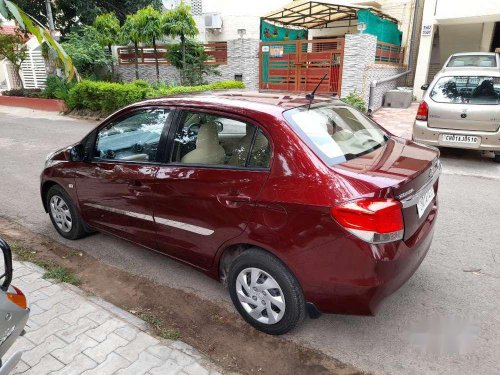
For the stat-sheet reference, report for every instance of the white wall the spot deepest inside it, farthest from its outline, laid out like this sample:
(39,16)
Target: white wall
(459,38)
(467,11)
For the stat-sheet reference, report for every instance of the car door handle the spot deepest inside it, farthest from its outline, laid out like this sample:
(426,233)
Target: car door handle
(137,186)
(233,200)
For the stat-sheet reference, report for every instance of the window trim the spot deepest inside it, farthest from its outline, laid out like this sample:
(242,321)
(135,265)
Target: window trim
(127,112)
(180,110)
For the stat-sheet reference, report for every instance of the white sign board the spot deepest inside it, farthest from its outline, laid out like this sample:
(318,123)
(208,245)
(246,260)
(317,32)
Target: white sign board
(426,30)
(265,48)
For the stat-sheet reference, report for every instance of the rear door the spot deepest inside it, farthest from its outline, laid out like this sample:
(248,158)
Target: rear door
(206,191)
(469,103)
(114,187)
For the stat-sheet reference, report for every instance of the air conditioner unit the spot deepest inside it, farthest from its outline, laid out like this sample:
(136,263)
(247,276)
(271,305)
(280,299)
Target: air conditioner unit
(213,21)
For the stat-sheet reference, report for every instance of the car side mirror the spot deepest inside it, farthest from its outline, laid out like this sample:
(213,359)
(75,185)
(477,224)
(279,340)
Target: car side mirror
(77,153)
(425,87)
(7,266)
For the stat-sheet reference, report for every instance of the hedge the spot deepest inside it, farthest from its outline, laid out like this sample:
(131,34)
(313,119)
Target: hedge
(108,96)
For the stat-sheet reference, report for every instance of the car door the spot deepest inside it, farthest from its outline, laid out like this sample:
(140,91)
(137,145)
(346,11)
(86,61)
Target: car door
(114,187)
(205,193)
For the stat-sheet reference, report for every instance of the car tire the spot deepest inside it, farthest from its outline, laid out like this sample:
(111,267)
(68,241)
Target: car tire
(497,158)
(265,292)
(64,215)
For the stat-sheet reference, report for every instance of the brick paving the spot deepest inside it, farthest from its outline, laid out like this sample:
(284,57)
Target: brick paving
(399,121)
(71,333)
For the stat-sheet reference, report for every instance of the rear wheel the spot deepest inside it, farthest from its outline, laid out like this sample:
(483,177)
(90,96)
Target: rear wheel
(265,292)
(64,215)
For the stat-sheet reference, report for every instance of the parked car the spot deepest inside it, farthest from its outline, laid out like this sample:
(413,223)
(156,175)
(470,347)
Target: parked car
(295,206)
(460,108)
(14,313)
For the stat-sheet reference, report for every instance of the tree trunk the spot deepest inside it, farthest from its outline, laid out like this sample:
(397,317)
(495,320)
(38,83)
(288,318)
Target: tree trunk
(183,45)
(136,51)
(156,60)
(17,70)
(112,63)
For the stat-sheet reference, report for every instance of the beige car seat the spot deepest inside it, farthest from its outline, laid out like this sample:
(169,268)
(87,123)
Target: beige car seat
(241,151)
(208,150)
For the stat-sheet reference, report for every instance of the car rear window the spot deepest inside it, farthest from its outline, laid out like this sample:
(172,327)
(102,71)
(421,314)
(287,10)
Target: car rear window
(479,61)
(336,133)
(467,89)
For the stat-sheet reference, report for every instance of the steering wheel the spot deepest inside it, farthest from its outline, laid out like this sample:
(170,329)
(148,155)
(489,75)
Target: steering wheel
(190,130)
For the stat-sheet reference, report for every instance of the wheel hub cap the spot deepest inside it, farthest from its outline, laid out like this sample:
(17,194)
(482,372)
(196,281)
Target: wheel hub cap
(60,213)
(260,295)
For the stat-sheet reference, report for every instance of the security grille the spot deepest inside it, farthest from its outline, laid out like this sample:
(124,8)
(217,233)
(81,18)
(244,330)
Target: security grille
(196,7)
(33,70)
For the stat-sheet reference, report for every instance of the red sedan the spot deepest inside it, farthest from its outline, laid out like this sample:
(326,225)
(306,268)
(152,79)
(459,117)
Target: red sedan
(297,207)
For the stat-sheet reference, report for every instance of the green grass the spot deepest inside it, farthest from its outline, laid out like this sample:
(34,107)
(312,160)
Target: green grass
(54,271)
(61,274)
(170,334)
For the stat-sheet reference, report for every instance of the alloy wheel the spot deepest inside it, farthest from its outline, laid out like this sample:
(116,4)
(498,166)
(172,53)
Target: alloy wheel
(61,214)
(260,295)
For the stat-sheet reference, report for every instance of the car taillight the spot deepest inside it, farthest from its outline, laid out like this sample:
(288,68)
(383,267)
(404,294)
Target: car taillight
(374,220)
(17,297)
(423,111)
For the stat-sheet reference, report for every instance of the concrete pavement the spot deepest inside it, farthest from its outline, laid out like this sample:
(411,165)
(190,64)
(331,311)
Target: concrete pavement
(71,333)
(453,297)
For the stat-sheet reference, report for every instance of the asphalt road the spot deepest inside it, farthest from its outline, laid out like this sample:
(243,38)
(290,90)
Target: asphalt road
(445,320)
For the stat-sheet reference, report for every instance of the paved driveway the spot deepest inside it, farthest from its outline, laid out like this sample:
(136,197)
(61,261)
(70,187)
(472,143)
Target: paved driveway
(445,320)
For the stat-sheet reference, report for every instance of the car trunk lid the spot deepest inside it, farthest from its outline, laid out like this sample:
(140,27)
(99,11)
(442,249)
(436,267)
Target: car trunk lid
(400,169)
(468,117)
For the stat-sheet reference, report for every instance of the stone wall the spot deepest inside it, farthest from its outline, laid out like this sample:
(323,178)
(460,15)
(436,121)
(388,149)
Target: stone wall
(377,72)
(242,58)
(359,69)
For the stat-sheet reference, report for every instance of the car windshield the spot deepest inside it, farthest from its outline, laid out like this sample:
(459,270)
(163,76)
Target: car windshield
(467,89)
(480,61)
(335,132)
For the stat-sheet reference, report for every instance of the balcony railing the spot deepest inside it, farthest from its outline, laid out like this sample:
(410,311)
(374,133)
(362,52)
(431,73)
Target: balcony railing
(217,52)
(388,53)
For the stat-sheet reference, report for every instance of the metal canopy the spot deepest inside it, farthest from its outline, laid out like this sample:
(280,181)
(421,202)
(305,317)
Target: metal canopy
(317,14)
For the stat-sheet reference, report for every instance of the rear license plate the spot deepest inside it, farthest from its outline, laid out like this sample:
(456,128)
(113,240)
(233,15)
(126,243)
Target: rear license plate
(462,139)
(424,202)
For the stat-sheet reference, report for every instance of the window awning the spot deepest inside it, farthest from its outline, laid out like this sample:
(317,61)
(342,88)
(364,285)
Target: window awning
(317,14)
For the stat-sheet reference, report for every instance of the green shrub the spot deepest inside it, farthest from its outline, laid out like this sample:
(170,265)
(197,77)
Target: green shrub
(57,88)
(355,100)
(107,96)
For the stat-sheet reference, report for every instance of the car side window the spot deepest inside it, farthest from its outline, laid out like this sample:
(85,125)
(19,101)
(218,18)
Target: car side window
(134,138)
(215,140)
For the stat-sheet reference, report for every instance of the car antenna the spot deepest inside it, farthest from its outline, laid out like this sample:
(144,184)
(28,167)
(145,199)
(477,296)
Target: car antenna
(311,95)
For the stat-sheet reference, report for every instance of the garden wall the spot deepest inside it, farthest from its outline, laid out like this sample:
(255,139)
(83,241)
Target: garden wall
(242,59)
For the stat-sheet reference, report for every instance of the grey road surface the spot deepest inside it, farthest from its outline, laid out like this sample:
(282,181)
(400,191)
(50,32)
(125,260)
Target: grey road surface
(445,320)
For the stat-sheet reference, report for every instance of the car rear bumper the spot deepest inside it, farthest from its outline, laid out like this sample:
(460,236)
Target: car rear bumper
(383,272)
(490,141)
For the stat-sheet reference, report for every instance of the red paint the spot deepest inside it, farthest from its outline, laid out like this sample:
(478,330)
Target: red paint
(55,105)
(286,210)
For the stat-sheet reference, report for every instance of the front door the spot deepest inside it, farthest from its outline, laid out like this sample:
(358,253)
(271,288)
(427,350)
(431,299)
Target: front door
(206,193)
(114,187)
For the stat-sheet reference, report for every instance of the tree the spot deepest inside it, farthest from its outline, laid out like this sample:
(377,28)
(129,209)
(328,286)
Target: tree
(28,24)
(132,33)
(149,22)
(71,14)
(13,48)
(84,49)
(108,33)
(179,22)
(196,67)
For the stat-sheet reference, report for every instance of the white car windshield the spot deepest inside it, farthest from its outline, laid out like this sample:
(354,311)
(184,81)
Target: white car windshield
(335,132)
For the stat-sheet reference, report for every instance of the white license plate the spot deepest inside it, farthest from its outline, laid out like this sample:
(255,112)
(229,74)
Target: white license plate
(424,202)
(457,138)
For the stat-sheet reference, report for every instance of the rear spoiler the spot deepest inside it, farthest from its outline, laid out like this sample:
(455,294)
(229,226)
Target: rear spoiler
(7,257)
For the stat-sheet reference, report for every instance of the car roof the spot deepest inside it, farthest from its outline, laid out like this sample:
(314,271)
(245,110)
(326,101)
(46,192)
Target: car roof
(468,71)
(274,103)
(474,54)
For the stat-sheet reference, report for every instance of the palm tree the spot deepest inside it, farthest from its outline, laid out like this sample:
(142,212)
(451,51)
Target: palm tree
(131,31)
(108,29)
(149,22)
(179,22)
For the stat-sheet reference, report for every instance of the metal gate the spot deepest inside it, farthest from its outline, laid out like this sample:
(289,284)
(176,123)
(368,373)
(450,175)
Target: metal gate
(298,66)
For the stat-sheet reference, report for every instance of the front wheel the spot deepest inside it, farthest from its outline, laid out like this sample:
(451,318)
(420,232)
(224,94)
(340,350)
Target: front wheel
(64,215)
(265,292)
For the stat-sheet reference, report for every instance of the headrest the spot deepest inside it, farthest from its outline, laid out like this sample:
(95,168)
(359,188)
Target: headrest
(486,63)
(458,63)
(207,134)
